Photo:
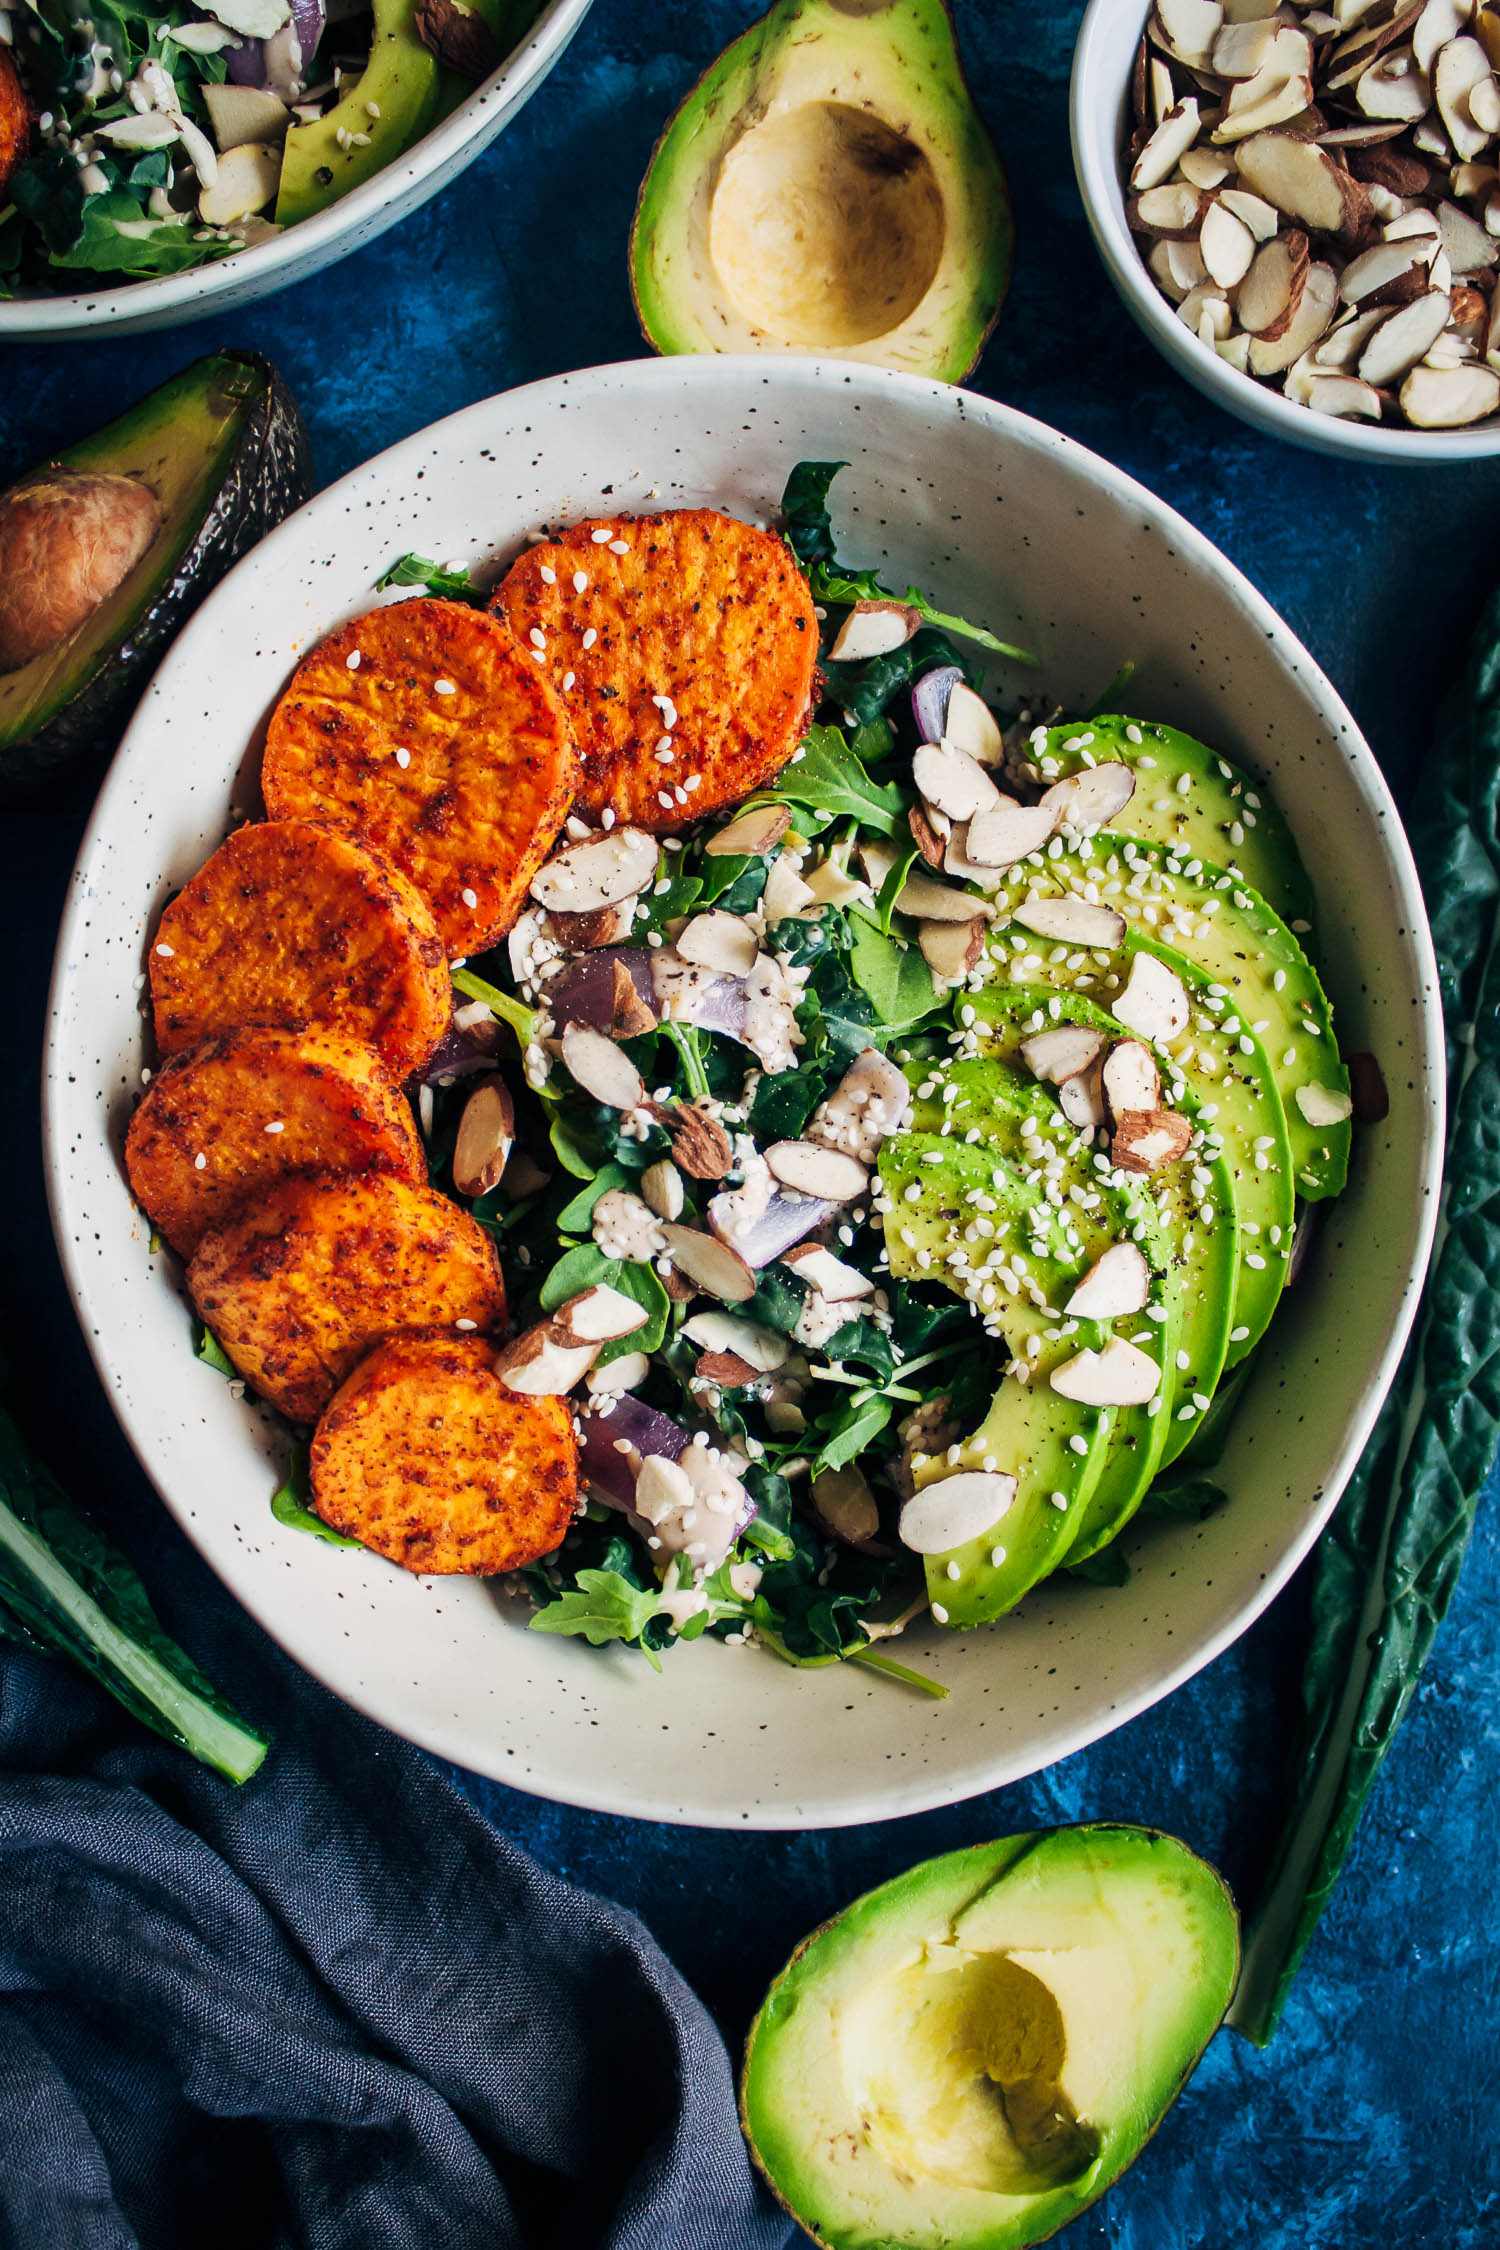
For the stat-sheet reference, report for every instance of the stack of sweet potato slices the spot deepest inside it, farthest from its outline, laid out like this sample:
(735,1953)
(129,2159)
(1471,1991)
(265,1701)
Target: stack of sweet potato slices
(418,770)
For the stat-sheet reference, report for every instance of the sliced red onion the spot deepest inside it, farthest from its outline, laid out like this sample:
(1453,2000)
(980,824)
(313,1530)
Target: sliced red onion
(692,994)
(929,700)
(245,65)
(607,1471)
(760,1236)
(471,1042)
(307,16)
(584,990)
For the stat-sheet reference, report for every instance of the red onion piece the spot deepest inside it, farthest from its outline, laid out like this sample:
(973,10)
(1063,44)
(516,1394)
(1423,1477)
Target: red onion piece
(929,700)
(245,65)
(584,991)
(606,1471)
(307,17)
(464,1047)
(786,1219)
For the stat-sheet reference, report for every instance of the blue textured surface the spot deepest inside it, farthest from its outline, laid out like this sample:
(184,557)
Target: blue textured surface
(1372,2118)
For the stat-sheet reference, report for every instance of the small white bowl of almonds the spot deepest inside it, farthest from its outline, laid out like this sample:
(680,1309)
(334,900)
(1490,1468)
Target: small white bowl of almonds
(1300,204)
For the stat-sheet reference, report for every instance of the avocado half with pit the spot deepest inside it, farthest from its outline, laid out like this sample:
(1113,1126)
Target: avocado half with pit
(828,186)
(107,548)
(970,2055)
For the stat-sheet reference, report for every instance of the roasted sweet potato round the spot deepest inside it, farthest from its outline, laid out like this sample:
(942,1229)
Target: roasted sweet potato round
(243,1108)
(428,1458)
(691,653)
(424,727)
(15,118)
(319,1268)
(293,922)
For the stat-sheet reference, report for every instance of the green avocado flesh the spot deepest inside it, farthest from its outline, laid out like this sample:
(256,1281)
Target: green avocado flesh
(1189,799)
(828,186)
(223,448)
(1012,1221)
(323,161)
(970,2055)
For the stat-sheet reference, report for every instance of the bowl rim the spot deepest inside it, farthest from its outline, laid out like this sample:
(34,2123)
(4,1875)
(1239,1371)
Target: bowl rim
(194,293)
(1102,191)
(446,1738)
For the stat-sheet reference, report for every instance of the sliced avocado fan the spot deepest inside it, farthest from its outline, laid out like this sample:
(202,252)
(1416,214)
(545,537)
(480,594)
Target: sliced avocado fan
(828,186)
(1011,1218)
(972,2054)
(348,144)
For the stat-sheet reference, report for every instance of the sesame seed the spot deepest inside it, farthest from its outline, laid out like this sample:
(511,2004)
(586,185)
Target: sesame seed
(619,547)
(200,1162)
(548,575)
(444,687)
(352,660)
(1239,1335)
(580,581)
(939,1613)
(403,759)
(167,952)
(470,898)
(1079,1445)
(954,1571)
(607,817)
(359,140)
(568,678)
(590,637)
(537,637)
(466,1324)
(276,1126)
(600,538)
(665,754)
(372,109)
(664,799)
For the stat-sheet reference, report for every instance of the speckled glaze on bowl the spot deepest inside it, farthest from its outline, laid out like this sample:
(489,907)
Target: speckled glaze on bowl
(1102,63)
(1005,520)
(393,192)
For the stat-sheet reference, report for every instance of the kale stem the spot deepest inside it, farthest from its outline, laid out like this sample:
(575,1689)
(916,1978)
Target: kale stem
(895,1671)
(685,1039)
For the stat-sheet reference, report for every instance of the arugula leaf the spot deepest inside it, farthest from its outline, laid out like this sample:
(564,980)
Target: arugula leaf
(522,1020)
(779,1299)
(46,190)
(576,1216)
(1194,1500)
(644,1284)
(768,1529)
(212,1353)
(804,510)
(783,1105)
(603,1606)
(836,1016)
(831,582)
(1106,1568)
(829,778)
(66,1590)
(893,977)
(856,1422)
(860,1343)
(681,895)
(573,1150)
(289,1503)
(115,237)
(451,585)
(1385,1568)
(891,889)
(577,1269)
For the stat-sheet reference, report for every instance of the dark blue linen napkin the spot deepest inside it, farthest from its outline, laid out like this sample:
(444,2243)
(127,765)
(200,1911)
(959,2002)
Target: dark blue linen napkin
(333,2008)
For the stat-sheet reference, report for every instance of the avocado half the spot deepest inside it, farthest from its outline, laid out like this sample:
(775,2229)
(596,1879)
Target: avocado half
(828,186)
(224,453)
(967,2057)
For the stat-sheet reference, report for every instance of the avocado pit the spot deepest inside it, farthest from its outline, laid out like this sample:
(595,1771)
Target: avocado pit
(827,226)
(68,539)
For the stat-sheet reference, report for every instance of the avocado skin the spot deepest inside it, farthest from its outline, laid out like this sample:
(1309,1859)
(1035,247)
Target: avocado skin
(953,1885)
(268,474)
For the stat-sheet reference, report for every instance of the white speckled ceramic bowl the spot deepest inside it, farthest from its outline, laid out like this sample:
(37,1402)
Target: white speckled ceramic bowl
(1002,519)
(395,191)
(1102,63)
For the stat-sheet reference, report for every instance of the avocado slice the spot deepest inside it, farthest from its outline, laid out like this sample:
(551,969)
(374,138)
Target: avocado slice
(970,2055)
(224,450)
(828,185)
(1259,975)
(1205,1255)
(403,80)
(1188,798)
(1012,1221)
(1229,1075)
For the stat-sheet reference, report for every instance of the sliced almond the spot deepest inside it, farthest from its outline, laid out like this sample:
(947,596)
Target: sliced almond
(761,1349)
(1470,248)
(927,900)
(1006,832)
(1129,1078)
(601,1068)
(1207,168)
(1403,338)
(839,1283)
(1343,396)
(1226,245)
(1272,290)
(1161,92)
(951,781)
(956,859)
(750,835)
(600,1315)
(1383,27)
(585,933)
(786,896)
(1324,1105)
(1261,217)
(662,1189)
(955,1510)
(1242,49)
(1071,921)
(1394,87)
(1484,107)
(1174,209)
(873,628)
(1145,1140)
(952,949)
(1303,181)
(629,1014)
(486,1136)
(716,940)
(1177,267)
(1187,29)
(600,871)
(971,726)
(1092,797)
(710,1263)
(1316,307)
(812,1168)
(1277,102)
(1081,1100)
(1236,351)
(726,1369)
(700,1144)
(1469,310)
(1154,1001)
(1449,398)
(541,1363)
(1116,1285)
(925,834)
(842,1497)
(1340,349)
(870,1102)
(1060,1053)
(1460,67)
(618,1375)
(1396,170)
(1121,1375)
